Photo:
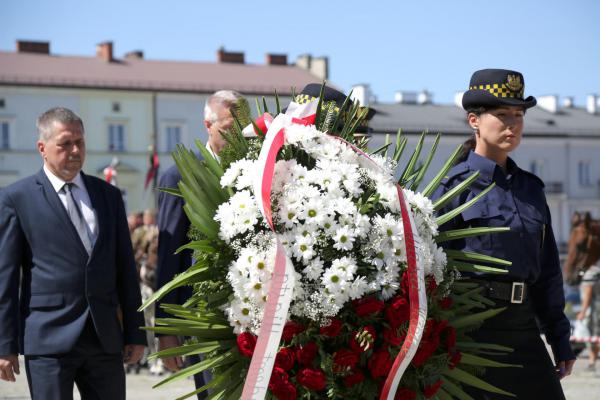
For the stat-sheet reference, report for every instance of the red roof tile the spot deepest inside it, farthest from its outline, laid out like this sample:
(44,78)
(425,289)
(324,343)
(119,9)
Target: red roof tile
(177,76)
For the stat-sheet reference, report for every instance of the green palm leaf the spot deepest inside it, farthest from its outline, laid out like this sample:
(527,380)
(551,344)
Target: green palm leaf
(465,377)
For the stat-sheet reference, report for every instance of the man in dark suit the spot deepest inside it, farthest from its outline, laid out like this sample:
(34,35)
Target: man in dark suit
(64,241)
(174,225)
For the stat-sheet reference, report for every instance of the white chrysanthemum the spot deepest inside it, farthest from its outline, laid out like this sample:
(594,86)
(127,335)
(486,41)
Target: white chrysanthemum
(303,247)
(229,177)
(300,133)
(313,269)
(344,238)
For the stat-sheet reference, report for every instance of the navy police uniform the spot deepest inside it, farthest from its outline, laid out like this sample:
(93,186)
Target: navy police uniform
(532,286)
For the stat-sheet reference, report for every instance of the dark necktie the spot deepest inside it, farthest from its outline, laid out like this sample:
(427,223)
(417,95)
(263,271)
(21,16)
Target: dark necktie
(77,218)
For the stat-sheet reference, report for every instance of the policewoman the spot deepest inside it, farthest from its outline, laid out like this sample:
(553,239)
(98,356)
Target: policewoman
(532,288)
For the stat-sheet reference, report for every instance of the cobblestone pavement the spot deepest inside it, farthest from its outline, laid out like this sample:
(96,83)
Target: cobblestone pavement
(582,385)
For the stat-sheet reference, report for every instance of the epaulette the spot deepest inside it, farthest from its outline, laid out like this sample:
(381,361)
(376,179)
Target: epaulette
(454,172)
(534,176)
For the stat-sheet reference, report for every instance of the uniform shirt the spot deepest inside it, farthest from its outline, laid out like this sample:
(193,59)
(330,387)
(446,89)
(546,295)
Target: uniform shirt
(517,201)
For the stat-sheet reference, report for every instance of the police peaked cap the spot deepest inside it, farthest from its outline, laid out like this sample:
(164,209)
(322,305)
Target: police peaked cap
(492,88)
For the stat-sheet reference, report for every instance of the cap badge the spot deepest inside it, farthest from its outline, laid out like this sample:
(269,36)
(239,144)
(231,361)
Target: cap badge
(513,82)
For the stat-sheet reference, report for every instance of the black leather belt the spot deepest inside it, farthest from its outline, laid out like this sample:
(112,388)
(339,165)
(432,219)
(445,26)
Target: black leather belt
(515,292)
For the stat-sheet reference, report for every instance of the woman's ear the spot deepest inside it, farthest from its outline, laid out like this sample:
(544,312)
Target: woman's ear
(473,121)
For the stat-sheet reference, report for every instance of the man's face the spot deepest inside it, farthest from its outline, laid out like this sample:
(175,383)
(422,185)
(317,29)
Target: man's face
(64,152)
(223,123)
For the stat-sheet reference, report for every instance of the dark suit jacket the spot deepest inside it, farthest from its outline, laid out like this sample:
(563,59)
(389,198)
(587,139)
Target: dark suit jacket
(60,286)
(173,227)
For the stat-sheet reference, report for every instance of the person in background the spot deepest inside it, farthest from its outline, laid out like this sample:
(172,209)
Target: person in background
(590,312)
(134,220)
(532,286)
(66,234)
(173,224)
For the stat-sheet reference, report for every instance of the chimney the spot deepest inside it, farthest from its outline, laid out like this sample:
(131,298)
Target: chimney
(592,103)
(135,55)
(458,98)
(405,97)
(362,93)
(27,46)
(424,97)
(568,102)
(548,103)
(318,66)
(230,56)
(303,61)
(276,59)
(104,51)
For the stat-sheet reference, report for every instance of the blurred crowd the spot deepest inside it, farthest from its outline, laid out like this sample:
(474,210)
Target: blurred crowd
(144,239)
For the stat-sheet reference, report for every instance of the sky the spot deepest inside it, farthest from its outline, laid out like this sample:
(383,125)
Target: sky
(390,45)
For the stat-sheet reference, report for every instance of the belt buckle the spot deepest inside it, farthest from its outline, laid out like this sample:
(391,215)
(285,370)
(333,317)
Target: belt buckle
(518,293)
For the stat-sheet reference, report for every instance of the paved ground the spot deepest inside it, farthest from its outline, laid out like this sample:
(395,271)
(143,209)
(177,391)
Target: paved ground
(581,385)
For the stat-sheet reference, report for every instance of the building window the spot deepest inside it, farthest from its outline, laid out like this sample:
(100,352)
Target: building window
(537,167)
(173,136)
(116,107)
(4,135)
(116,137)
(2,103)
(584,173)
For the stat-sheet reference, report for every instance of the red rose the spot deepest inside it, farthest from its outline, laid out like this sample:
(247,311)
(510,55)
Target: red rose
(431,286)
(368,306)
(306,353)
(397,311)
(363,340)
(356,378)
(454,359)
(429,328)
(431,390)
(278,377)
(425,350)
(290,330)
(450,337)
(313,379)
(380,363)
(285,392)
(393,337)
(246,343)
(405,394)
(280,385)
(333,329)
(285,358)
(345,358)
(446,303)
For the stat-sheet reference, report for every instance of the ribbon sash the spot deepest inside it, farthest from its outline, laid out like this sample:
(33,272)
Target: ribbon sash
(282,282)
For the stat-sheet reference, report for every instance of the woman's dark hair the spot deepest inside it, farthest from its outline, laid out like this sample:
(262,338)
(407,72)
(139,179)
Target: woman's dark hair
(470,143)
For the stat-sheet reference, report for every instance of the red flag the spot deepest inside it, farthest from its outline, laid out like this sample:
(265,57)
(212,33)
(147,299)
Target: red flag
(152,173)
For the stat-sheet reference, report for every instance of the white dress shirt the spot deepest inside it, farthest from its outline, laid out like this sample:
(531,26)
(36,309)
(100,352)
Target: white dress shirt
(82,198)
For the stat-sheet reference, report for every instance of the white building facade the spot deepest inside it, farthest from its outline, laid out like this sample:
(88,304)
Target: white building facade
(128,106)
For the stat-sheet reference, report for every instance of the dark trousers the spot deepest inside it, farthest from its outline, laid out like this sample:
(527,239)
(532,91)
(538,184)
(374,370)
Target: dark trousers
(98,375)
(516,328)
(200,379)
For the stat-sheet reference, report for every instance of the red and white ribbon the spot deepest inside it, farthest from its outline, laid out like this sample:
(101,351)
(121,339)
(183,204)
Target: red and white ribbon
(417,294)
(263,123)
(282,282)
(417,297)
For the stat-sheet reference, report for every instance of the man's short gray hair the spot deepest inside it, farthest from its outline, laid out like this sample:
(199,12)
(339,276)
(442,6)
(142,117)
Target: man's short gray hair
(45,122)
(225,98)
